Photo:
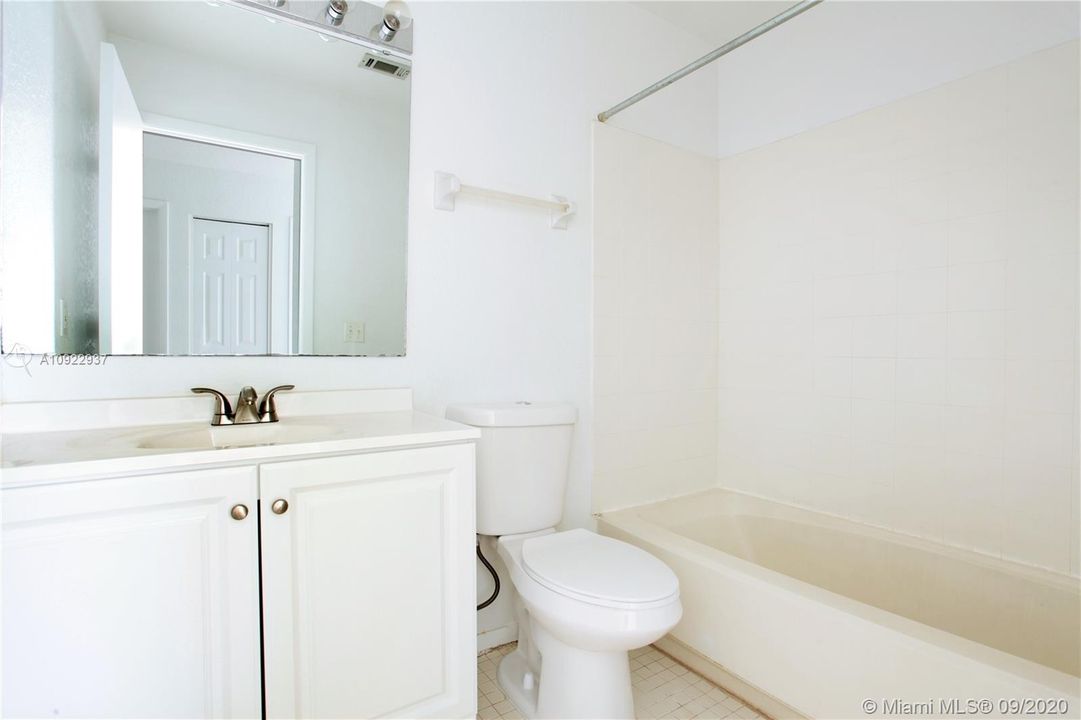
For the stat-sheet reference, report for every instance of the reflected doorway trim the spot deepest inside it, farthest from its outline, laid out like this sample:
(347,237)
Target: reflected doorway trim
(282,147)
(161,276)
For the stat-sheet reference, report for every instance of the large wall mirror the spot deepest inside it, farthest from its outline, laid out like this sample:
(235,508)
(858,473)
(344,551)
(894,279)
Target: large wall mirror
(204,178)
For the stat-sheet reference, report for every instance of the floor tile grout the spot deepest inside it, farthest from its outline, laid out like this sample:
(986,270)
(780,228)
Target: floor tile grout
(662,687)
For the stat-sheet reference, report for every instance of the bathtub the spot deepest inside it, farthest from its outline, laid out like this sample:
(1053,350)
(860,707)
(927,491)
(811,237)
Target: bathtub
(813,615)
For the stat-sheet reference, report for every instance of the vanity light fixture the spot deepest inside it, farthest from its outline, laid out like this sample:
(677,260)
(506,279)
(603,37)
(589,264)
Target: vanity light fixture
(396,17)
(336,10)
(383,29)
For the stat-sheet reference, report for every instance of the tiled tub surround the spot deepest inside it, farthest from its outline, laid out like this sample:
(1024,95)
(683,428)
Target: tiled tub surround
(655,319)
(822,613)
(899,315)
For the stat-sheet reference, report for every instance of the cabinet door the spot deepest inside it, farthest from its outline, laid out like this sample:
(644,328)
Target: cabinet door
(132,597)
(368,585)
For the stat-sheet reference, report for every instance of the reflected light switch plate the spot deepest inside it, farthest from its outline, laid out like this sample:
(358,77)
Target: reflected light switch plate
(354,331)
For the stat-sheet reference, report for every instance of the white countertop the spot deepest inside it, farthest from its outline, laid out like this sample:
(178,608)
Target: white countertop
(40,457)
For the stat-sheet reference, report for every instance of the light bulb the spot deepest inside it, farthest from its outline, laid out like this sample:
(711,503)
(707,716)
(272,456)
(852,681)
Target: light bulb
(396,17)
(335,13)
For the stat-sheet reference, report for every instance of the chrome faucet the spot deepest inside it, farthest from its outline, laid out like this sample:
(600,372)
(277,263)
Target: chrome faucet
(247,411)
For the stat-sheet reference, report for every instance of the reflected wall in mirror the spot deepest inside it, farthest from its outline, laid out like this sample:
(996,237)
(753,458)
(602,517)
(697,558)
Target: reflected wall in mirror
(183,178)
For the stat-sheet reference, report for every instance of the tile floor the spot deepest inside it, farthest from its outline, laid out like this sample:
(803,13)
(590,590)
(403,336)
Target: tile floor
(662,689)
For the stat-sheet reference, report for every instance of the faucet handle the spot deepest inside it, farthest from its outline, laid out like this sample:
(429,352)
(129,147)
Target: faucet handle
(267,408)
(223,409)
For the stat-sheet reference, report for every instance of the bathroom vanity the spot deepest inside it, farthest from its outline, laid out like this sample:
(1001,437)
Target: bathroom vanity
(321,566)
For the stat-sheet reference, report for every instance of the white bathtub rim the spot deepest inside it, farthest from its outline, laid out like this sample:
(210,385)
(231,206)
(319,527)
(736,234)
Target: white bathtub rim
(963,649)
(841,523)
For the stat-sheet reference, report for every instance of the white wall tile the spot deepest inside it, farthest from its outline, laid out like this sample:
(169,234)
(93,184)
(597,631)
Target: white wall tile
(922,290)
(873,378)
(833,376)
(977,334)
(1041,332)
(873,294)
(921,336)
(874,337)
(975,382)
(975,430)
(1037,529)
(979,238)
(1038,438)
(656,321)
(921,380)
(1041,281)
(833,337)
(943,335)
(1040,385)
(920,246)
(977,286)
(873,420)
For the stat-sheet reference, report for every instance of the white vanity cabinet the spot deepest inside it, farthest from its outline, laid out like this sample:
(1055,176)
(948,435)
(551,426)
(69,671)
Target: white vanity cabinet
(368,585)
(156,595)
(132,597)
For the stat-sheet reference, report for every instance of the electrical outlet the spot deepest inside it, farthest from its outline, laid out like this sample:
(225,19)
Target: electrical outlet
(353,332)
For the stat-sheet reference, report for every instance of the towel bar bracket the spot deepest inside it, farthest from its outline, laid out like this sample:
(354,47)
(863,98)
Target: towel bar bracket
(448,187)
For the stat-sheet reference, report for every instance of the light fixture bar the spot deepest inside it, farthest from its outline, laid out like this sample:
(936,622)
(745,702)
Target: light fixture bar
(325,29)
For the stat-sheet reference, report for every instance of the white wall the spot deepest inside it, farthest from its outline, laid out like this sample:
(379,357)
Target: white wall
(842,58)
(655,248)
(899,314)
(498,303)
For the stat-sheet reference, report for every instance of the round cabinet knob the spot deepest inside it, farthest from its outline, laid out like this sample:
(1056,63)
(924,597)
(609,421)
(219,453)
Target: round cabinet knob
(279,506)
(239,512)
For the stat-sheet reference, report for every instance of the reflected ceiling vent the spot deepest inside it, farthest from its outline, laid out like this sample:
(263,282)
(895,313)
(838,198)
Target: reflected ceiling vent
(385,65)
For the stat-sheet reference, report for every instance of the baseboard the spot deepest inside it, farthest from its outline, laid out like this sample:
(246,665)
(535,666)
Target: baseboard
(496,637)
(760,700)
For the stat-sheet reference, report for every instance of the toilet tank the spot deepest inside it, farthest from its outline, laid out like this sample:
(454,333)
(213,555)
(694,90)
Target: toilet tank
(523,457)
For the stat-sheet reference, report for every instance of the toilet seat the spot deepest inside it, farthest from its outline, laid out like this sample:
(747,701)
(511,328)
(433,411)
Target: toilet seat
(598,570)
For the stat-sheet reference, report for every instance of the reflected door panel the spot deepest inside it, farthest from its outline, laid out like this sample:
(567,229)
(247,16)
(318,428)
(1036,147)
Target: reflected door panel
(229,282)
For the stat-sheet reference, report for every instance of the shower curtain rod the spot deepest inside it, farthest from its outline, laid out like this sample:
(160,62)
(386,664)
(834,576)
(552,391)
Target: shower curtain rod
(707,59)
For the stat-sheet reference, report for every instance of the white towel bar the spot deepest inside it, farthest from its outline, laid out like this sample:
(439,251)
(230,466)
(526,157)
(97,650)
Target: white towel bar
(448,186)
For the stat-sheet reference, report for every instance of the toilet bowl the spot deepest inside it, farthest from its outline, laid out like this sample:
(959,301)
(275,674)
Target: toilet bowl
(584,601)
(581,600)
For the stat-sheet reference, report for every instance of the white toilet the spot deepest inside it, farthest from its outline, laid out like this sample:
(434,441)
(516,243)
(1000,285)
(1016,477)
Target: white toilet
(582,600)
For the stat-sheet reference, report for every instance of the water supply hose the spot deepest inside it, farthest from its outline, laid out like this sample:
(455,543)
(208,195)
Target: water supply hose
(495,579)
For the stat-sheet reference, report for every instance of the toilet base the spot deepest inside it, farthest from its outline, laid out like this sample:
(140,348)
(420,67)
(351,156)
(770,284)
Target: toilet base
(512,680)
(577,683)
(573,683)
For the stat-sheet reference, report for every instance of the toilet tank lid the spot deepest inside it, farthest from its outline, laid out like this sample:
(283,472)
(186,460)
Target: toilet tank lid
(513,414)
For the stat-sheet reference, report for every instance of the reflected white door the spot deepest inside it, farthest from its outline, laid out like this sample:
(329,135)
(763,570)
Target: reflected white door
(120,212)
(229,288)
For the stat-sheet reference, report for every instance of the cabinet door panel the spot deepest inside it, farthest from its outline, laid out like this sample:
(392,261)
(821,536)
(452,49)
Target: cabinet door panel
(365,577)
(134,597)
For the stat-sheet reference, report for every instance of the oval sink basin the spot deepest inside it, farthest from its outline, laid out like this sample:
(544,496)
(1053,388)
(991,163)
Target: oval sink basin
(231,436)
